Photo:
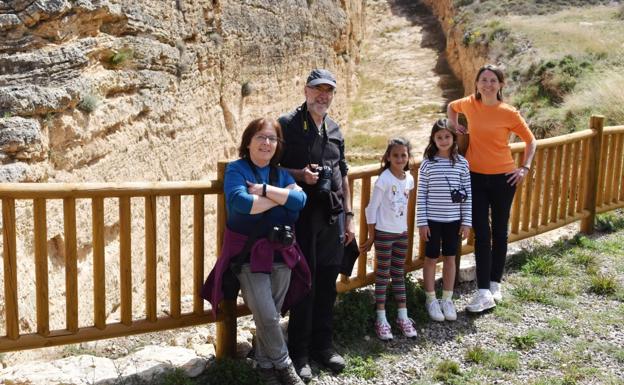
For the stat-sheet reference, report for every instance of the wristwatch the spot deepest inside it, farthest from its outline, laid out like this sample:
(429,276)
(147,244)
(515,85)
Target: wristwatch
(263,189)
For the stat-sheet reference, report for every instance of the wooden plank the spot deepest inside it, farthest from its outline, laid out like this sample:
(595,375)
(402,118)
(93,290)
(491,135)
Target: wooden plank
(537,189)
(556,197)
(11,310)
(548,176)
(198,253)
(574,185)
(125,260)
(174,256)
(41,267)
(566,168)
(99,264)
(411,219)
(526,199)
(603,170)
(591,179)
(364,199)
(515,206)
(150,258)
(585,151)
(619,158)
(71,264)
(107,190)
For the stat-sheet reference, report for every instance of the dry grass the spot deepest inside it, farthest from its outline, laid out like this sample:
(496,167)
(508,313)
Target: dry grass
(600,93)
(575,31)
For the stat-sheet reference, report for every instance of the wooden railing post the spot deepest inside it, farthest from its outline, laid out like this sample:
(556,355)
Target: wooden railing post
(226,327)
(591,180)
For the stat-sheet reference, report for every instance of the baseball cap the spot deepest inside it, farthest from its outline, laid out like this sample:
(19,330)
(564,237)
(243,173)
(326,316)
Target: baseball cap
(321,76)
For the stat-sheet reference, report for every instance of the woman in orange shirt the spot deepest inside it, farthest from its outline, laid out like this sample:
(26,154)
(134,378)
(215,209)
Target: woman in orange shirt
(493,175)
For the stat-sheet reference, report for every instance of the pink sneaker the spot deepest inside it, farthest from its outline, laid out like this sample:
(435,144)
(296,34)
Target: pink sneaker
(383,331)
(407,327)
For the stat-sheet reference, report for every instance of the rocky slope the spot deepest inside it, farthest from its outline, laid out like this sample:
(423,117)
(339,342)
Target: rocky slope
(464,60)
(88,87)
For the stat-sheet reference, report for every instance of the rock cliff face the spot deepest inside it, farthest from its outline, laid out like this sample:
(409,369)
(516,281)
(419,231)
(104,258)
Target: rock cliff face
(464,61)
(119,90)
(114,90)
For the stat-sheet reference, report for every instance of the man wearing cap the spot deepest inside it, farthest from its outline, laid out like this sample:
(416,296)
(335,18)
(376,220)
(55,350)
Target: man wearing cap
(314,154)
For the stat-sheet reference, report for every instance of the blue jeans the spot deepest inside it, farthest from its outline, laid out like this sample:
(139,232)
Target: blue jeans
(491,205)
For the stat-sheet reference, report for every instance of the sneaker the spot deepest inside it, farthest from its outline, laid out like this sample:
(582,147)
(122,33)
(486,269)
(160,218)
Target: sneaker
(269,376)
(407,327)
(330,359)
(481,302)
(289,376)
(433,308)
(383,331)
(302,367)
(448,308)
(495,289)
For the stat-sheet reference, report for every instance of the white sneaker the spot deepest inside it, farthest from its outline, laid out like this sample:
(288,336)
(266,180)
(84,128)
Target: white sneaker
(448,309)
(495,289)
(433,308)
(481,302)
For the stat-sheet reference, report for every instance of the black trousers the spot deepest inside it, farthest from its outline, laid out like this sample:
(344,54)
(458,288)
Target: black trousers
(310,326)
(491,205)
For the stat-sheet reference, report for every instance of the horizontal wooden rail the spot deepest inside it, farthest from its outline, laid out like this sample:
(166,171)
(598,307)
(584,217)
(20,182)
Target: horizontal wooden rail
(574,177)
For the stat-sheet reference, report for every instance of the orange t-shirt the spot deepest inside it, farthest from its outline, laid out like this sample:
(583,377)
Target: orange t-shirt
(490,128)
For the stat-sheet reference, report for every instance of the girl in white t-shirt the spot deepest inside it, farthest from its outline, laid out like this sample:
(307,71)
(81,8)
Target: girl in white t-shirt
(386,216)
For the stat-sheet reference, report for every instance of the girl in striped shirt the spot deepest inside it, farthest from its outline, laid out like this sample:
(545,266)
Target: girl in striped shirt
(443,213)
(386,216)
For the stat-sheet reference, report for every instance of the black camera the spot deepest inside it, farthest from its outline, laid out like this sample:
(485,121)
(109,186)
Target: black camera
(323,184)
(459,195)
(282,234)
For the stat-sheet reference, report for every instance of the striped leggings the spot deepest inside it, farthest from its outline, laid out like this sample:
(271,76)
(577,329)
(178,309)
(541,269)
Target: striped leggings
(390,250)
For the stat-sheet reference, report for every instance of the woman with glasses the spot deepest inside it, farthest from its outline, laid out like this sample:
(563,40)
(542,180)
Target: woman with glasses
(493,174)
(259,248)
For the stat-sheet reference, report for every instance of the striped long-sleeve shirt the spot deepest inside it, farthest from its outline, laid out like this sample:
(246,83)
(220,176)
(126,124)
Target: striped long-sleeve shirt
(437,178)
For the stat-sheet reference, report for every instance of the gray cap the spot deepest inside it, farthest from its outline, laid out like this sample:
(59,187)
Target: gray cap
(321,76)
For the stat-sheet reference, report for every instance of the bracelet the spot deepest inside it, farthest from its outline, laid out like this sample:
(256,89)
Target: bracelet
(349,214)
(263,189)
(526,168)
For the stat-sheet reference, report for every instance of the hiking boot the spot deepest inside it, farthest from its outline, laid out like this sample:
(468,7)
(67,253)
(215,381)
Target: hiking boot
(495,289)
(269,376)
(433,308)
(382,329)
(289,376)
(330,359)
(407,327)
(481,302)
(302,368)
(448,308)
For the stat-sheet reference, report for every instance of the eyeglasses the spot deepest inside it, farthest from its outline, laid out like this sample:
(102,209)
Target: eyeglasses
(264,138)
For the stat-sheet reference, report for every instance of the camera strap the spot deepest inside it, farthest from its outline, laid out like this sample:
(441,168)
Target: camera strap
(304,122)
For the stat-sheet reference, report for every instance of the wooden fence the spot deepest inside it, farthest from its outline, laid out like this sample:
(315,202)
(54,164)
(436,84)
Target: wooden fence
(573,177)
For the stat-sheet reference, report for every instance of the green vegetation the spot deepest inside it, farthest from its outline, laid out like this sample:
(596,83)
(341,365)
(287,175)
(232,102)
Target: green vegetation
(229,372)
(563,58)
(118,58)
(362,367)
(603,284)
(446,371)
(89,103)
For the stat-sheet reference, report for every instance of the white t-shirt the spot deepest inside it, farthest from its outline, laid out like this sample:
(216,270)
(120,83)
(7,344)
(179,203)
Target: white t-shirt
(388,205)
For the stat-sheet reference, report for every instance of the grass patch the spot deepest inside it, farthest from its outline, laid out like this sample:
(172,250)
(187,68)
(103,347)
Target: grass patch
(531,293)
(121,57)
(543,265)
(447,371)
(229,372)
(366,142)
(509,311)
(506,361)
(361,110)
(364,368)
(603,284)
(609,222)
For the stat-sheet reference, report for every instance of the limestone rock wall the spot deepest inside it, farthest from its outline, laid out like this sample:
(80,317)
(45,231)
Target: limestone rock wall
(131,90)
(91,87)
(464,61)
